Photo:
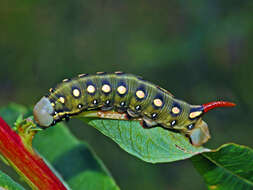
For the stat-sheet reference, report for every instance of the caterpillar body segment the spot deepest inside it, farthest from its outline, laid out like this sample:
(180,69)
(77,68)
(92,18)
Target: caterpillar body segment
(123,96)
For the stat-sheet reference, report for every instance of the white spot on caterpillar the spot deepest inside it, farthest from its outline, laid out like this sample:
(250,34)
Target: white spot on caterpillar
(100,73)
(91,89)
(76,92)
(106,88)
(62,100)
(140,94)
(195,114)
(175,110)
(118,72)
(79,106)
(121,90)
(173,123)
(82,75)
(65,80)
(158,102)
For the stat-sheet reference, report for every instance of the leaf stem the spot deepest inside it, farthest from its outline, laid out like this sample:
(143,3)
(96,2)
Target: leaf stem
(26,161)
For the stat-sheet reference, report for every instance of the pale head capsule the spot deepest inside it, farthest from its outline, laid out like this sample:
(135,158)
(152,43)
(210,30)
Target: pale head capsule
(42,112)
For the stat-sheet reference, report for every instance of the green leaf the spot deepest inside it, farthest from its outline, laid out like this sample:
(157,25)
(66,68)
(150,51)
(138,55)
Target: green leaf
(11,113)
(69,158)
(74,160)
(230,167)
(7,183)
(151,145)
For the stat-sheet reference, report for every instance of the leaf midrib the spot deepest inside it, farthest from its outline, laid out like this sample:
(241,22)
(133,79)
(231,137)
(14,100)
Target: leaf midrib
(227,170)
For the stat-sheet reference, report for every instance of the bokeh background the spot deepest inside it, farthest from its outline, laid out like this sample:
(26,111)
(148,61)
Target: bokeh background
(199,50)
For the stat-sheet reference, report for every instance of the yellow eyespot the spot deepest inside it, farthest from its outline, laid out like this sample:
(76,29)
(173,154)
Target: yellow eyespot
(175,110)
(91,89)
(121,90)
(158,102)
(140,94)
(106,88)
(76,92)
(195,114)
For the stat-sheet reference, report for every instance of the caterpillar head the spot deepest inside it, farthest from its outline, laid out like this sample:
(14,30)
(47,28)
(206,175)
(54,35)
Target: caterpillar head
(197,129)
(200,133)
(43,111)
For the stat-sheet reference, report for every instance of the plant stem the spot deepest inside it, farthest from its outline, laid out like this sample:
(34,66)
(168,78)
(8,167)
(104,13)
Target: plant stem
(26,161)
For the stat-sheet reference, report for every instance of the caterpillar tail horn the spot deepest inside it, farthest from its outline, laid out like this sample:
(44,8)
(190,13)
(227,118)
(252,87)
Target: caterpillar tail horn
(211,105)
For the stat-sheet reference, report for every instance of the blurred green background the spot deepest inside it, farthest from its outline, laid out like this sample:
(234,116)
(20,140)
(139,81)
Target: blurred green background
(198,50)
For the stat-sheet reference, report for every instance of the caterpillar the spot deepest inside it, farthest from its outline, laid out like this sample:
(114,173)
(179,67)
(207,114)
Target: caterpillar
(124,96)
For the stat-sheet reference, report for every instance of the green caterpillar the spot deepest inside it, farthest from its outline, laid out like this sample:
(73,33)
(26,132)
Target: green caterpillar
(124,96)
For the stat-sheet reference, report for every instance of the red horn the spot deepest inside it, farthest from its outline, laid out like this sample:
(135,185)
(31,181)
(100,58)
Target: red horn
(212,105)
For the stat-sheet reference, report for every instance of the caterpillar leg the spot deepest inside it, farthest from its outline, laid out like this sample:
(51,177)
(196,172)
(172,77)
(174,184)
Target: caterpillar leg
(132,114)
(147,123)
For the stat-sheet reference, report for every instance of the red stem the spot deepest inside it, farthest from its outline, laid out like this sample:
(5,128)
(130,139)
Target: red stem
(27,163)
